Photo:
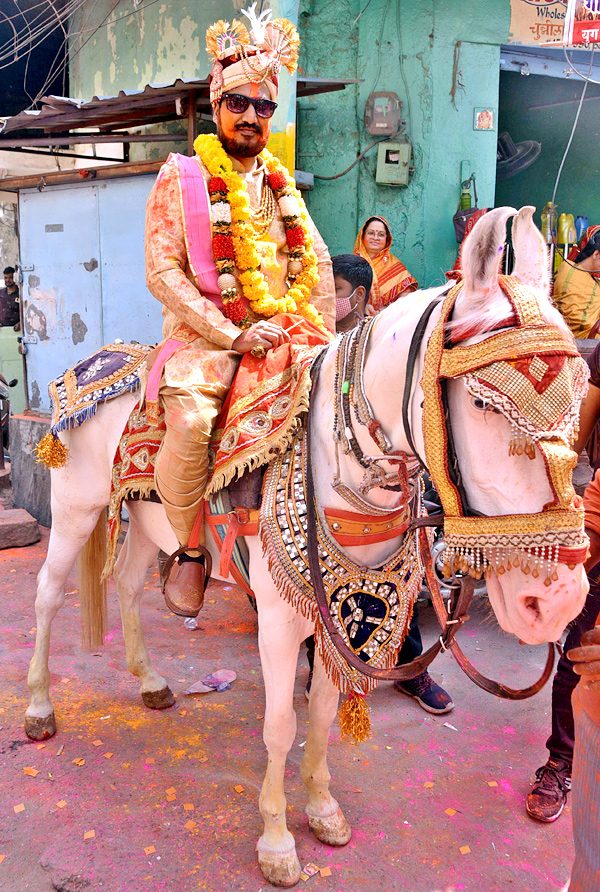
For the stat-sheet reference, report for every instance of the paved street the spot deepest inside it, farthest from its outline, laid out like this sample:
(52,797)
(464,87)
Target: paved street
(418,792)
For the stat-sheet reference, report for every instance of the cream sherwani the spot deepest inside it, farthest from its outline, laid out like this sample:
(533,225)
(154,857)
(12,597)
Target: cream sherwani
(196,379)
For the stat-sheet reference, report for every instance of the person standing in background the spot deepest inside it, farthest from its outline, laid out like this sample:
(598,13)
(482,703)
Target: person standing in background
(577,286)
(9,301)
(391,279)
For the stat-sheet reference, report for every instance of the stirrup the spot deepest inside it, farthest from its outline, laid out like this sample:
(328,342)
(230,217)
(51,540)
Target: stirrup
(173,557)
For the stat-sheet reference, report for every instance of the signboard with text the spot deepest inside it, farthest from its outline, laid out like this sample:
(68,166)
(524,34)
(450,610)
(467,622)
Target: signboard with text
(582,23)
(537,21)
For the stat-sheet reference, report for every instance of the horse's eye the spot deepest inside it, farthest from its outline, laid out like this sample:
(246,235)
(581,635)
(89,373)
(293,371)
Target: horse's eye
(482,406)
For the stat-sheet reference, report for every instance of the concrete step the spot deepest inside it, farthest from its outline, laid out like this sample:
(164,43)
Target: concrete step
(17,528)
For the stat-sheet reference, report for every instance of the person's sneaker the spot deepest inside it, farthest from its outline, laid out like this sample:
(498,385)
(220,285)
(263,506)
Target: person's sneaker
(429,695)
(548,796)
(308,685)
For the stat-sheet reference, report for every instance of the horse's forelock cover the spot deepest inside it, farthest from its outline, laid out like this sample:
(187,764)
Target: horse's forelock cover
(484,318)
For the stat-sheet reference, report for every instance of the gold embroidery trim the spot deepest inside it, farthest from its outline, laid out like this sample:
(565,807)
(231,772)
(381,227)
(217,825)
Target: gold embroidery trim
(505,346)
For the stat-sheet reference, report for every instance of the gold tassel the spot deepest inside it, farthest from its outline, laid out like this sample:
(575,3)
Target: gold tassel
(355,718)
(51,452)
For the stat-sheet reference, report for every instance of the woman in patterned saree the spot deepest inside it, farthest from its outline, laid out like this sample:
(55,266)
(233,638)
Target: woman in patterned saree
(577,286)
(391,279)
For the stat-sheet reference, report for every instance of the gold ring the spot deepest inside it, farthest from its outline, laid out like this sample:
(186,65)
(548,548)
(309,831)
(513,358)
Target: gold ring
(259,351)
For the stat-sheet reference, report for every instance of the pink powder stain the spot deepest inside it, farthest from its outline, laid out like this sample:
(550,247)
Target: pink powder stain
(509,730)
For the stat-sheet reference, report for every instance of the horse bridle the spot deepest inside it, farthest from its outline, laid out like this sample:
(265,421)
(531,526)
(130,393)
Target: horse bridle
(451,614)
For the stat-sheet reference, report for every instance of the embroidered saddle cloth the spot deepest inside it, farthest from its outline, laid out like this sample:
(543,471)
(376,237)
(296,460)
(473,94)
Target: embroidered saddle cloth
(104,375)
(265,403)
(258,420)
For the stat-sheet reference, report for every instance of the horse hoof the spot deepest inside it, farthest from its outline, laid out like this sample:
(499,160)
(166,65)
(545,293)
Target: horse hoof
(333,830)
(40,727)
(158,699)
(280,870)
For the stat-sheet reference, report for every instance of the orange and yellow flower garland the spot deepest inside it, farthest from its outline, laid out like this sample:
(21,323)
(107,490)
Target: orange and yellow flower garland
(234,244)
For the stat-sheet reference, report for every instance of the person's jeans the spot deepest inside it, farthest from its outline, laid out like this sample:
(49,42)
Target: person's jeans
(561,741)
(412,646)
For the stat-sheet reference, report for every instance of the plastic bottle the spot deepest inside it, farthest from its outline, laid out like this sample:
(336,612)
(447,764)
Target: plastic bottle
(566,229)
(548,221)
(581,224)
(465,200)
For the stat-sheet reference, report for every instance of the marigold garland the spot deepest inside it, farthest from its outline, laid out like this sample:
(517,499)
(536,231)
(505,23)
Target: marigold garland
(234,243)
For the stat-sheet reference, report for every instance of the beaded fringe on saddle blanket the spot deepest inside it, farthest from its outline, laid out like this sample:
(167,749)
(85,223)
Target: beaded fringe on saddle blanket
(370,607)
(77,393)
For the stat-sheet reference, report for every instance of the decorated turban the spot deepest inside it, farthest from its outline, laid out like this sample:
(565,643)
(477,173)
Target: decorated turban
(255,56)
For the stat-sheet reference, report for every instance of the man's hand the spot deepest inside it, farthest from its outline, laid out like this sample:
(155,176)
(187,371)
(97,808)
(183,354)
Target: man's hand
(262,334)
(587,659)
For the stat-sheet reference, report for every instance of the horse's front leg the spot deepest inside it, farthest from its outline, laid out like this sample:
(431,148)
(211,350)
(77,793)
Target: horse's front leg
(281,630)
(325,817)
(136,556)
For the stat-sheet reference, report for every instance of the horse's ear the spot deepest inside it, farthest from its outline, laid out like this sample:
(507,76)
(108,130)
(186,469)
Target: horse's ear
(481,257)
(532,259)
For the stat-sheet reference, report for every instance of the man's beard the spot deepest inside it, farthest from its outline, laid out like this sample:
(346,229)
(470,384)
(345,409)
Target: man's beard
(241,147)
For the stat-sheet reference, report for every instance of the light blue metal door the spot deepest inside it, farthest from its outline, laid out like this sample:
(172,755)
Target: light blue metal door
(60,259)
(84,282)
(129,311)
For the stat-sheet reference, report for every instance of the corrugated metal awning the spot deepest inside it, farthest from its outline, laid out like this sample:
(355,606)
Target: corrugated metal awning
(156,103)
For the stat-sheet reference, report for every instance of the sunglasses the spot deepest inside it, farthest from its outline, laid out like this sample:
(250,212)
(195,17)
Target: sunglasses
(238,104)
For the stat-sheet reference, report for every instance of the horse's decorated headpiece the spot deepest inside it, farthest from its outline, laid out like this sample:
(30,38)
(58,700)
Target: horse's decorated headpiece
(243,56)
(532,373)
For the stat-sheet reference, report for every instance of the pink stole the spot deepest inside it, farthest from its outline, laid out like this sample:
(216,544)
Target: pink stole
(198,239)
(196,226)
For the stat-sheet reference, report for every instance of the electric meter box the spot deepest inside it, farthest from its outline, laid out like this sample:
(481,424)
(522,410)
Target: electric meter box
(393,163)
(383,113)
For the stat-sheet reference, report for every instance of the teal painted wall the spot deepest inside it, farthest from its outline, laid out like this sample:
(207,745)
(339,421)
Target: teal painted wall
(550,124)
(331,128)
(157,44)
(166,40)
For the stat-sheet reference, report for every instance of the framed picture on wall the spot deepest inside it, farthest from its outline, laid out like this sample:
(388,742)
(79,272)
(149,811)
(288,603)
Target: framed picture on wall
(484,119)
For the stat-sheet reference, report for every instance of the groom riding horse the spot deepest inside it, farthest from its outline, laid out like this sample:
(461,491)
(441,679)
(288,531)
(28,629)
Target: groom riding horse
(229,248)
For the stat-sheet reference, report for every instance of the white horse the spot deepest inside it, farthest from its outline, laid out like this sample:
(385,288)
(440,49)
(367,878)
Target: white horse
(496,483)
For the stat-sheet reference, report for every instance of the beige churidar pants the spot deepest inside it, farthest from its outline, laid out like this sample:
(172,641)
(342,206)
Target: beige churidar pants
(182,462)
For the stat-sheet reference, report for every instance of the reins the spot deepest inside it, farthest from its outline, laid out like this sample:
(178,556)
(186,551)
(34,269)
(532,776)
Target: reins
(451,614)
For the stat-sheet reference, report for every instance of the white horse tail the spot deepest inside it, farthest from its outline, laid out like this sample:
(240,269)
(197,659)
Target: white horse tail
(92,588)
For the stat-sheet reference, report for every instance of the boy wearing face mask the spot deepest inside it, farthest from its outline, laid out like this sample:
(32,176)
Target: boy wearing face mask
(353,277)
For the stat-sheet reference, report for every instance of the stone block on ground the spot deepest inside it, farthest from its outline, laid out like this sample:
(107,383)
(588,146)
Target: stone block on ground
(17,528)
(30,480)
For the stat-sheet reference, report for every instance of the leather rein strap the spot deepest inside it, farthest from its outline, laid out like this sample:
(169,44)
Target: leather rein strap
(415,348)
(450,616)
